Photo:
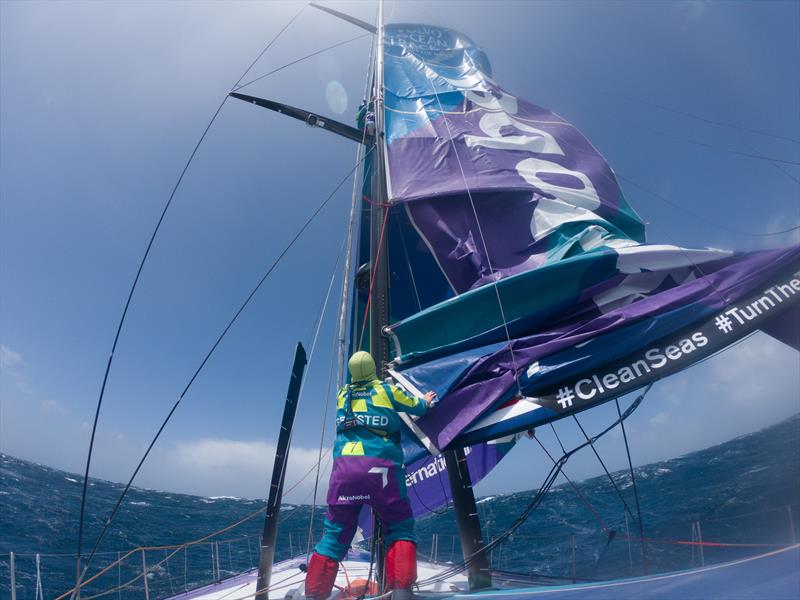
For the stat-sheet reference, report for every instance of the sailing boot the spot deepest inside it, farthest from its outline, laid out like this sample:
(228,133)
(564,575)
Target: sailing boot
(401,569)
(320,576)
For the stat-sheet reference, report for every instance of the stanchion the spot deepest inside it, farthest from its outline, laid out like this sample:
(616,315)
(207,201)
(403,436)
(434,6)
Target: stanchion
(144,577)
(11,568)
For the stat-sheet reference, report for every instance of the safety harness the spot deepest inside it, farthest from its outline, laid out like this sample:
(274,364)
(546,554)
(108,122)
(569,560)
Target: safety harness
(351,422)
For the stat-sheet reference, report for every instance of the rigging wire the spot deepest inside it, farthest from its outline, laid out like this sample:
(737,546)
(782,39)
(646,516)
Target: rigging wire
(707,120)
(558,439)
(688,211)
(177,548)
(780,167)
(294,62)
(773,159)
(211,351)
(324,302)
(707,280)
(325,409)
(305,379)
(705,276)
(480,229)
(598,517)
(545,487)
(321,445)
(82,512)
(605,469)
(680,207)
(635,488)
(408,264)
(368,307)
(339,338)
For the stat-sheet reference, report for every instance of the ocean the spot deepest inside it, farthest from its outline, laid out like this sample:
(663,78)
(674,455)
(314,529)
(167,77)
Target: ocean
(745,491)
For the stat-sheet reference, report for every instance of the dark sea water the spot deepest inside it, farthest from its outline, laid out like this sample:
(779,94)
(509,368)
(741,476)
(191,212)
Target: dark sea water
(746,491)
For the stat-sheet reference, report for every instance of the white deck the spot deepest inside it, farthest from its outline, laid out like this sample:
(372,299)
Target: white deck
(287,576)
(774,575)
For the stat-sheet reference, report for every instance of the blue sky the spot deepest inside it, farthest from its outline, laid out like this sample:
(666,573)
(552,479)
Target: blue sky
(102,103)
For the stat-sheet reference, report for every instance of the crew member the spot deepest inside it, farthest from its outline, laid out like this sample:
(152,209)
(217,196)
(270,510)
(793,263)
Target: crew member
(365,117)
(368,469)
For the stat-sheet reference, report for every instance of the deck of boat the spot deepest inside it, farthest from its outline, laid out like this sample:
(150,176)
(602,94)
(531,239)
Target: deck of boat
(774,575)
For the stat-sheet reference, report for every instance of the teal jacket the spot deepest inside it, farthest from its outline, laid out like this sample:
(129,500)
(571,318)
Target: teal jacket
(373,405)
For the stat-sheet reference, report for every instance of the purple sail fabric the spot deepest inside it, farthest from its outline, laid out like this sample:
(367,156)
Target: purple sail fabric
(528,224)
(427,483)
(492,376)
(786,329)
(457,144)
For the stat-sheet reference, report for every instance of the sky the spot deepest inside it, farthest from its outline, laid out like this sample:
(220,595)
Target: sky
(102,102)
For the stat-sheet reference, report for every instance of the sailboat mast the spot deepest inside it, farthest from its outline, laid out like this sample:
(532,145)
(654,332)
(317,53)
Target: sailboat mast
(379,300)
(379,296)
(467,518)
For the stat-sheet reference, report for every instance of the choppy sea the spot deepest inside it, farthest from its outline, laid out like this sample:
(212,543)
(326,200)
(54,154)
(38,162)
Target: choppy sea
(745,491)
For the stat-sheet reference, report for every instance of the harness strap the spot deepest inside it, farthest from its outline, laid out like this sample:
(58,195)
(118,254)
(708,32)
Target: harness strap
(350,423)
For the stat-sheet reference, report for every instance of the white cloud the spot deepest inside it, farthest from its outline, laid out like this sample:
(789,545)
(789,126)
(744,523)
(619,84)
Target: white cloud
(695,9)
(743,373)
(50,406)
(781,222)
(660,419)
(216,466)
(12,367)
(9,359)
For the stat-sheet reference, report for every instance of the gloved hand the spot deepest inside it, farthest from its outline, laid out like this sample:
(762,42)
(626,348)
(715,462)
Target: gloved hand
(430,398)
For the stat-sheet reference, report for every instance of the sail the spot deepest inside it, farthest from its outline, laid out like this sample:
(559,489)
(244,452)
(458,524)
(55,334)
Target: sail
(555,302)
(494,184)
(427,481)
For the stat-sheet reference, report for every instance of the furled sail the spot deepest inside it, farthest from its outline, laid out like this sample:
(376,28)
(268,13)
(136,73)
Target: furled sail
(546,299)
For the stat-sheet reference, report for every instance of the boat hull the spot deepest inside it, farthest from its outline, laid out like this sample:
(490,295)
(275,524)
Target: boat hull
(774,575)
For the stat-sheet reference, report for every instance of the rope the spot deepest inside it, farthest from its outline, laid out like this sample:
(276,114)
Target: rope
(190,543)
(372,202)
(635,488)
(546,485)
(603,525)
(708,544)
(321,445)
(605,469)
(82,514)
(210,352)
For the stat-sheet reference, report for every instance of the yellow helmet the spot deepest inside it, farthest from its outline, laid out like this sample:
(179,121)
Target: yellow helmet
(362,367)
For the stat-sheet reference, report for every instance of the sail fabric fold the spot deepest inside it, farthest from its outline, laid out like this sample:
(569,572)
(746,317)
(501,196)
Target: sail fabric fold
(556,302)
(496,185)
(577,288)
(481,379)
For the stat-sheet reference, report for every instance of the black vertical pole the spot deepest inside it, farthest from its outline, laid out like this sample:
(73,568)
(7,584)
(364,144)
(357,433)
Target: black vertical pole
(469,526)
(267,553)
(379,300)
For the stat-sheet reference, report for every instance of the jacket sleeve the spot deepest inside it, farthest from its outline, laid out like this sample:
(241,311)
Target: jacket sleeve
(406,403)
